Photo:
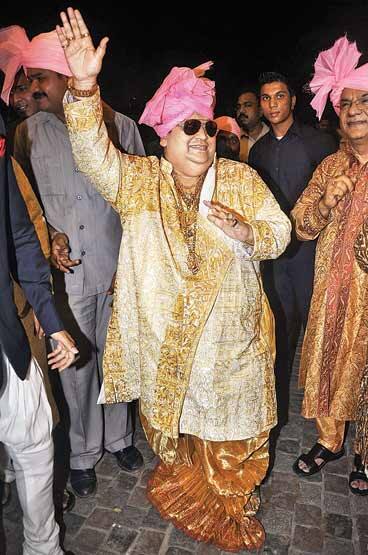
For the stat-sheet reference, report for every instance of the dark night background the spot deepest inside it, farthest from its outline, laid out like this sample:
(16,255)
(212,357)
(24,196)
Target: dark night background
(242,39)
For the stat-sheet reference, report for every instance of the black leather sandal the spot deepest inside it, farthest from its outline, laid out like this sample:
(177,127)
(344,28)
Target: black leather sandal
(317,452)
(358,474)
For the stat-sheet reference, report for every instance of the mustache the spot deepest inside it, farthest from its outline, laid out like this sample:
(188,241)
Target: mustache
(38,95)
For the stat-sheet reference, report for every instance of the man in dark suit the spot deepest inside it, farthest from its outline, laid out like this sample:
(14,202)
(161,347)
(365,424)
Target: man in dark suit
(25,414)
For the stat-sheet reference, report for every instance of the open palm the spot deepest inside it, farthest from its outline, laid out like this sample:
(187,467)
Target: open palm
(84,59)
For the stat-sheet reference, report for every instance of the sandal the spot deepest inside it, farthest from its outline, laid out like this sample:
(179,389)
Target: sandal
(317,452)
(358,474)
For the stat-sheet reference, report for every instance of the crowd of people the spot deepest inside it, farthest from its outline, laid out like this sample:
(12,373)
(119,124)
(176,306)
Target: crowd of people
(182,280)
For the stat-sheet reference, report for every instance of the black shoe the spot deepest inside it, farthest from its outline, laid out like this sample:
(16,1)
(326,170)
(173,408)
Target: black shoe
(83,482)
(129,459)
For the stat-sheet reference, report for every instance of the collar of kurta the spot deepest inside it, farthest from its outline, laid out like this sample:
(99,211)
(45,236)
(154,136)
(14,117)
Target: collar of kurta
(346,147)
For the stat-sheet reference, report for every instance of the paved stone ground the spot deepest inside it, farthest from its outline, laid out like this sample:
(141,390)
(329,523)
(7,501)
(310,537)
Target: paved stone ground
(315,516)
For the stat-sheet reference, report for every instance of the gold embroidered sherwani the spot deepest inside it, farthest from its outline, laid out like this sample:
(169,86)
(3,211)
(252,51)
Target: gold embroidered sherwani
(197,350)
(335,345)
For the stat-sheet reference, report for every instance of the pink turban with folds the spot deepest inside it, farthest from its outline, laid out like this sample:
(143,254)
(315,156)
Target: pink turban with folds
(182,93)
(13,45)
(45,52)
(224,123)
(335,69)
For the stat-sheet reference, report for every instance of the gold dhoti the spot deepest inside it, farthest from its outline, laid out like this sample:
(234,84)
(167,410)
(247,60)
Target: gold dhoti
(209,491)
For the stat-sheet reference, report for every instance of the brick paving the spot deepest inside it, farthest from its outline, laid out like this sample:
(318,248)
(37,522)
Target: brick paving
(318,515)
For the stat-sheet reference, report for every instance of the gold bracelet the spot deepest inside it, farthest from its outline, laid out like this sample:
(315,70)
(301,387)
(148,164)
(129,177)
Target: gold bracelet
(83,92)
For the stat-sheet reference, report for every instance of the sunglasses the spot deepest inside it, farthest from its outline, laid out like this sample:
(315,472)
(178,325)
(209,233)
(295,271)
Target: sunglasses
(192,126)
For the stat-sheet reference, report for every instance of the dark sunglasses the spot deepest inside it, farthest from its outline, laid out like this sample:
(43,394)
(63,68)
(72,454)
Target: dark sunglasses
(192,126)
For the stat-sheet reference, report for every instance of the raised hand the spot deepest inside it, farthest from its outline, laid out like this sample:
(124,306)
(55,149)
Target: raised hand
(84,59)
(229,223)
(336,190)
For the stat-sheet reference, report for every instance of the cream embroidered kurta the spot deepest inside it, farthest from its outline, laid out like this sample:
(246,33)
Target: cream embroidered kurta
(198,350)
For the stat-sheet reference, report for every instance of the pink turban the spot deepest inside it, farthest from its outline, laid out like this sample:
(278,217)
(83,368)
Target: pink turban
(45,52)
(335,69)
(224,123)
(182,93)
(13,45)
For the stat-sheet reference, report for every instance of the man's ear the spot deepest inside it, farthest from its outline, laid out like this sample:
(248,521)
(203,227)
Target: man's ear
(293,102)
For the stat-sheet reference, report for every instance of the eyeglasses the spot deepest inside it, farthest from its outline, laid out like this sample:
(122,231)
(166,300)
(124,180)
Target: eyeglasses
(192,126)
(361,104)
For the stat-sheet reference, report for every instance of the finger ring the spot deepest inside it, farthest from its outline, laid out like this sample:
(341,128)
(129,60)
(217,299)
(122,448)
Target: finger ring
(84,35)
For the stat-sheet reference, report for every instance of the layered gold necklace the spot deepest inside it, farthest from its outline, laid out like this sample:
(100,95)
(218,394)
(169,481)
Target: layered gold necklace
(187,205)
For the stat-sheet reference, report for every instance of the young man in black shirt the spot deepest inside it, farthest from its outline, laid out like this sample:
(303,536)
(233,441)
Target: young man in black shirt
(286,158)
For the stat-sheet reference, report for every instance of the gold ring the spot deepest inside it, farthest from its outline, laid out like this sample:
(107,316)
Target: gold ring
(84,35)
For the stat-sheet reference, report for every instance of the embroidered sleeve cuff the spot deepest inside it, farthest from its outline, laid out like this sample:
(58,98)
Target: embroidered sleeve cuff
(82,114)
(313,221)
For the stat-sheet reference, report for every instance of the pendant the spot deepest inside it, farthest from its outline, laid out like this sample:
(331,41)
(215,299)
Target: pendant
(187,218)
(189,233)
(193,262)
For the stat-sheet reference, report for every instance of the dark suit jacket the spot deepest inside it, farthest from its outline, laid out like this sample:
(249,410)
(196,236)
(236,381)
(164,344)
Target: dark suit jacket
(21,256)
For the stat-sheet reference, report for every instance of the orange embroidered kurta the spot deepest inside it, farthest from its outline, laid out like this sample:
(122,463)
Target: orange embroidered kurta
(334,350)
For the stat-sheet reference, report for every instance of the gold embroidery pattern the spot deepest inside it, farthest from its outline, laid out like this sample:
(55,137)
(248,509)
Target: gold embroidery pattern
(309,222)
(161,310)
(333,391)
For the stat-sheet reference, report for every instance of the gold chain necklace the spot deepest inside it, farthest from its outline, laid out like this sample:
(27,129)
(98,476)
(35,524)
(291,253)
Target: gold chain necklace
(187,205)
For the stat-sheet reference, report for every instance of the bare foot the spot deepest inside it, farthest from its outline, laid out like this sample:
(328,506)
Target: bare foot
(305,468)
(359,484)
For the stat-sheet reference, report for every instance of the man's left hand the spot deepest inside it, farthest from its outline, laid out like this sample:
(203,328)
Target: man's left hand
(65,352)
(229,223)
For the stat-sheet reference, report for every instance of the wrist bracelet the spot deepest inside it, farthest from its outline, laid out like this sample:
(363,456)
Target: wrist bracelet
(83,92)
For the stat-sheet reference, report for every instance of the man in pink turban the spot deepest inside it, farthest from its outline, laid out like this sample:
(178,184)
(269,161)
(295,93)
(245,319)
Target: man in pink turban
(85,235)
(334,208)
(228,138)
(13,45)
(186,336)
(16,91)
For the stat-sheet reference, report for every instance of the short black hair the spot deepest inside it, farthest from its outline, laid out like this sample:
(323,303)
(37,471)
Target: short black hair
(250,87)
(271,77)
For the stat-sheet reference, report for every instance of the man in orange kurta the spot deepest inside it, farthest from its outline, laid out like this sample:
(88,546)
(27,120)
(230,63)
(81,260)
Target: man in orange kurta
(333,208)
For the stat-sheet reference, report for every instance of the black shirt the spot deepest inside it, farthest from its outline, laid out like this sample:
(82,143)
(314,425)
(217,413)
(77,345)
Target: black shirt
(286,165)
